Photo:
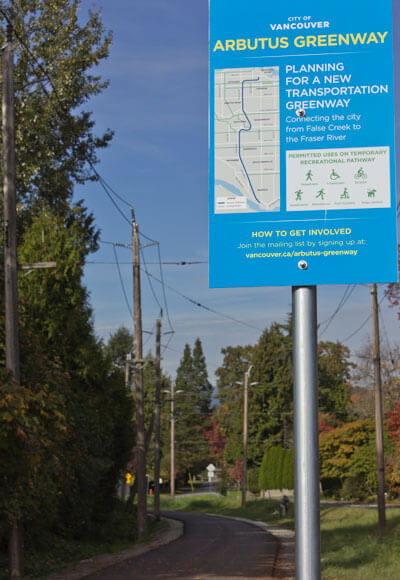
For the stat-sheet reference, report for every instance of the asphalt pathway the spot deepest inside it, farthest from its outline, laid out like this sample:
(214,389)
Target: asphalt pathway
(212,548)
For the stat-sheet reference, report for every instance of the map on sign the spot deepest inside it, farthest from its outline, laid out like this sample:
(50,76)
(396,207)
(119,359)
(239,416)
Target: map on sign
(246,130)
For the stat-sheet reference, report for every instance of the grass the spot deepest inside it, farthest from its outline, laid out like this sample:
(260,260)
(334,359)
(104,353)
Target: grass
(351,546)
(54,553)
(229,505)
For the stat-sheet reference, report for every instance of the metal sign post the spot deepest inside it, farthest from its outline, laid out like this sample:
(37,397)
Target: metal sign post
(306,433)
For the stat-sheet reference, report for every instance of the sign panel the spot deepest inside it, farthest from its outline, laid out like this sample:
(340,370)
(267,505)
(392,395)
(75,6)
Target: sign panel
(302,178)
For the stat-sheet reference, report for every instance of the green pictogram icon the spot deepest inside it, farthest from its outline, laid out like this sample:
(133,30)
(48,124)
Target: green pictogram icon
(345,194)
(334,175)
(371,192)
(360,174)
(299,194)
(321,194)
(309,175)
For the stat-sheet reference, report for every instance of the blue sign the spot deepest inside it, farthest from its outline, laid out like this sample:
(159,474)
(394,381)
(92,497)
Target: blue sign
(302,161)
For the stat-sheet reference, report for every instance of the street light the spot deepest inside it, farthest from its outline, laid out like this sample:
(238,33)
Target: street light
(245,429)
(172,393)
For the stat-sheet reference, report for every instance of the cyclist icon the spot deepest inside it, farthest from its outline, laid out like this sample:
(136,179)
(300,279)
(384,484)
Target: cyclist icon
(360,174)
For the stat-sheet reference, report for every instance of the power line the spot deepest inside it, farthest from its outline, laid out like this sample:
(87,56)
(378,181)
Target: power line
(347,293)
(110,197)
(149,280)
(362,325)
(180,263)
(163,287)
(196,303)
(122,284)
(386,334)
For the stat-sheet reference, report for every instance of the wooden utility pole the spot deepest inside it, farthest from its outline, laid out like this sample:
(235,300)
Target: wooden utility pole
(380,465)
(128,359)
(245,430)
(10,262)
(172,475)
(138,365)
(10,214)
(157,416)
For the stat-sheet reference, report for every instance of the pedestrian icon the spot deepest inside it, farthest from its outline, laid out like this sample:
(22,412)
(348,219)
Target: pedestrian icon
(309,175)
(299,194)
(321,194)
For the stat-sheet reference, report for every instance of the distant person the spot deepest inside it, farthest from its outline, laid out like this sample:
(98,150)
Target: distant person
(283,506)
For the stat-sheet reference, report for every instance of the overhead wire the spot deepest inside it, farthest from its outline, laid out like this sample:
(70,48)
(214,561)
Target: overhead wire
(386,334)
(107,190)
(363,324)
(346,295)
(200,305)
(149,280)
(181,263)
(122,284)
(110,192)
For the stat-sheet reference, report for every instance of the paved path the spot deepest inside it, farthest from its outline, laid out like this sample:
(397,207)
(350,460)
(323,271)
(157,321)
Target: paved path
(212,548)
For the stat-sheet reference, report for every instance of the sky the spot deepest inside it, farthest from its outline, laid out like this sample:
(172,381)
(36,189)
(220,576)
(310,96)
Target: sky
(157,104)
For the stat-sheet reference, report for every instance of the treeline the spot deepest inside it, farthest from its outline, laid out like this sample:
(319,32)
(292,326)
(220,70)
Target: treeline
(66,429)
(346,411)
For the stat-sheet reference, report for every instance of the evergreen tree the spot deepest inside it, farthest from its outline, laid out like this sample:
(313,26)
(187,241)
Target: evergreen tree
(334,369)
(201,379)
(97,408)
(191,449)
(118,346)
(271,401)
(230,395)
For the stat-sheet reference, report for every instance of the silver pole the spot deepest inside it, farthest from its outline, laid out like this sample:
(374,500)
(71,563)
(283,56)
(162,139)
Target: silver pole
(307,498)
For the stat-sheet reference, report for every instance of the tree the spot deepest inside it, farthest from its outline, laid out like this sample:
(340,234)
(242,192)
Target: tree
(271,401)
(118,346)
(348,452)
(70,416)
(334,369)
(190,443)
(271,398)
(216,440)
(363,379)
(93,404)
(229,414)
(201,379)
(277,469)
(55,56)
(393,425)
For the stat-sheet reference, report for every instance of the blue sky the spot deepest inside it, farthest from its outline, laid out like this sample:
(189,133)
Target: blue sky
(157,104)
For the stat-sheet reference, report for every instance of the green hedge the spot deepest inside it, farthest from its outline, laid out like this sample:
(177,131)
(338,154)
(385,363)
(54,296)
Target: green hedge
(277,469)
